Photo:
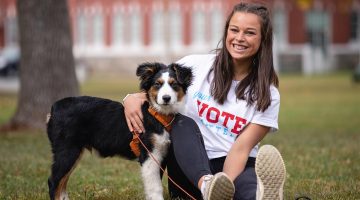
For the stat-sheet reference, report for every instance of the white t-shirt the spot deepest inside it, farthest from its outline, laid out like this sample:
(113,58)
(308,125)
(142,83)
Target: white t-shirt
(221,124)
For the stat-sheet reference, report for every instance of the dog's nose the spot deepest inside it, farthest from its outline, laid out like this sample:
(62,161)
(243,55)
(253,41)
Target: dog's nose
(166,98)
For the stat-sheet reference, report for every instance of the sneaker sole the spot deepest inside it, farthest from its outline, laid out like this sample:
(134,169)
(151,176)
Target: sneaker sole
(271,172)
(222,188)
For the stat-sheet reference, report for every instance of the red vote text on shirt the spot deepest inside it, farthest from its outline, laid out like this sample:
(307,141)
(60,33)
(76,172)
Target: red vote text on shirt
(214,115)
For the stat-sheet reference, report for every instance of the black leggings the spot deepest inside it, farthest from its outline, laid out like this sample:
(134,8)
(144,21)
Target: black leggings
(187,162)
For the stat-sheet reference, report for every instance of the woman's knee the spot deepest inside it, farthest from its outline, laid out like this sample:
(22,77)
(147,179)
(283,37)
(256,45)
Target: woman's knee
(184,126)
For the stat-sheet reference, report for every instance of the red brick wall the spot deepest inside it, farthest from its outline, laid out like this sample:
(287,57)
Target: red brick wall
(296,25)
(341,27)
(296,21)
(2,36)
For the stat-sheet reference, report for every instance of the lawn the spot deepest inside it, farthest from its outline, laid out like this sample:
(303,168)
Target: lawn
(319,138)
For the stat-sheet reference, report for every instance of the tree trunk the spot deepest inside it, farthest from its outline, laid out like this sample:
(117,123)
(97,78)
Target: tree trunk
(47,71)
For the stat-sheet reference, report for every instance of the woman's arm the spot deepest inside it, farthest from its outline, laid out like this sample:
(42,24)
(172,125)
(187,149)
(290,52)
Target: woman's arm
(238,155)
(132,104)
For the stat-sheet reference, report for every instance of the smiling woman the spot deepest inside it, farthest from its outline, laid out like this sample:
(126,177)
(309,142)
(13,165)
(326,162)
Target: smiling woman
(243,41)
(232,104)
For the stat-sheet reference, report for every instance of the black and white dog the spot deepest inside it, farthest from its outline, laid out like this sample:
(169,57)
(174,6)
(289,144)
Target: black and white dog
(76,123)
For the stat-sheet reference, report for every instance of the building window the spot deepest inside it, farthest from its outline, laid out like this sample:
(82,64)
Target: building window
(355,25)
(11,31)
(280,26)
(317,24)
(157,28)
(176,30)
(198,28)
(98,30)
(216,27)
(82,29)
(118,34)
(135,28)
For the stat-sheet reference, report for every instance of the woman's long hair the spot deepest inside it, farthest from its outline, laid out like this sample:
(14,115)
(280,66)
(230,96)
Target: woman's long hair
(255,87)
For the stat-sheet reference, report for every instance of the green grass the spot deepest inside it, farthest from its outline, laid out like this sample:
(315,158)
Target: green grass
(319,138)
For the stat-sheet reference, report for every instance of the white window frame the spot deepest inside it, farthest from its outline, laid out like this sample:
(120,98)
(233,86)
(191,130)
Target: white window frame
(118,28)
(217,26)
(98,29)
(82,37)
(198,26)
(157,25)
(175,27)
(136,27)
(280,26)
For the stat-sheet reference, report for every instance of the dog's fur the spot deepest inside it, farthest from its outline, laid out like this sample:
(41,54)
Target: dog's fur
(76,123)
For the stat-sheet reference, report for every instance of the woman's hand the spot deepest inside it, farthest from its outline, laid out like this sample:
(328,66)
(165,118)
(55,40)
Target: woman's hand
(134,118)
(239,152)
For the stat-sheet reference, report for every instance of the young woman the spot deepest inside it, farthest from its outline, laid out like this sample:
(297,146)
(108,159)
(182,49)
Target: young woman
(230,107)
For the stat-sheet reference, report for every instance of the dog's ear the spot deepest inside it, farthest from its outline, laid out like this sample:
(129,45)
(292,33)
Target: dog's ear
(145,72)
(184,74)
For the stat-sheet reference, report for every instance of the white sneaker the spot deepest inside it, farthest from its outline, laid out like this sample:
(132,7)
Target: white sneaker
(218,187)
(271,174)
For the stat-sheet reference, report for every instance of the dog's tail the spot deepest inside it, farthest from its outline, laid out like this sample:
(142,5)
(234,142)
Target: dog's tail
(50,124)
(48,116)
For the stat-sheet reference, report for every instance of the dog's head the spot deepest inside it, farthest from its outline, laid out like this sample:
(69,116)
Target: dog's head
(165,86)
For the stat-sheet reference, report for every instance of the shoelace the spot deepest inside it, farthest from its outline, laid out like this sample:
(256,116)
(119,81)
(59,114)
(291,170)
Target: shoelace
(206,181)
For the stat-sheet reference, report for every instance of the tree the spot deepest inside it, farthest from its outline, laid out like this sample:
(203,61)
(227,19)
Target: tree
(47,71)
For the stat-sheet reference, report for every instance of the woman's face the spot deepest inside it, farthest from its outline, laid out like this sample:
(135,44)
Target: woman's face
(243,36)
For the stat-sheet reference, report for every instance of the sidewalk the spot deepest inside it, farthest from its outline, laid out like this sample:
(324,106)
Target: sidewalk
(9,85)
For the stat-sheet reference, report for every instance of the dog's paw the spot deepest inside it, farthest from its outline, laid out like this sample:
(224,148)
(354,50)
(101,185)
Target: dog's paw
(154,197)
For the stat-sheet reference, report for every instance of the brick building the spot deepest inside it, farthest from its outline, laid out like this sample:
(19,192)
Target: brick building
(311,36)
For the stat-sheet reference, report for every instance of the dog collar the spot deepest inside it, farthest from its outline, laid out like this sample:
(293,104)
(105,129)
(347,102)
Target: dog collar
(165,120)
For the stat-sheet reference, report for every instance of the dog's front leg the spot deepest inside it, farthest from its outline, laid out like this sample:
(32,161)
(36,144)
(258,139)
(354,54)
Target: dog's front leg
(152,182)
(150,169)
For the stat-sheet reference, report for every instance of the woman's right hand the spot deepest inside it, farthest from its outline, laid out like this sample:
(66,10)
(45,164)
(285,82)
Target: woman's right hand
(134,118)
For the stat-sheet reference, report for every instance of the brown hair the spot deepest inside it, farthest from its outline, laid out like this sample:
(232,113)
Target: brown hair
(255,87)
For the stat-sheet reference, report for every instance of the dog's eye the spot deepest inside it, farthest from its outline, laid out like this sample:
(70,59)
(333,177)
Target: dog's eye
(174,85)
(157,84)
